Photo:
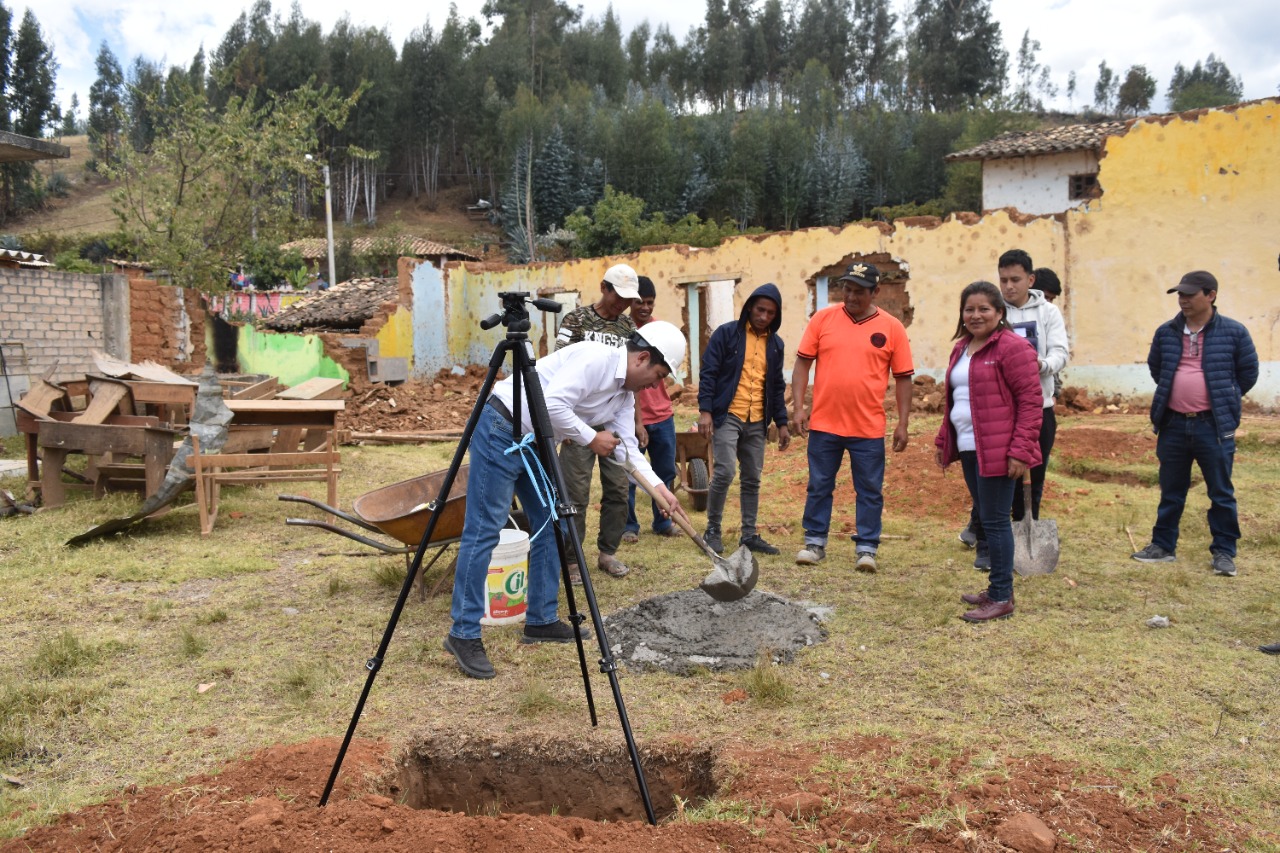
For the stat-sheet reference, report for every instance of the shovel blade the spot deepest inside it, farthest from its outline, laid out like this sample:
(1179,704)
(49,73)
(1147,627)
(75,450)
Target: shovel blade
(1035,546)
(733,577)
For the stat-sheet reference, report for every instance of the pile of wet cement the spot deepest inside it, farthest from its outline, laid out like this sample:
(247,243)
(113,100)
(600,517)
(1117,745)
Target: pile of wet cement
(684,631)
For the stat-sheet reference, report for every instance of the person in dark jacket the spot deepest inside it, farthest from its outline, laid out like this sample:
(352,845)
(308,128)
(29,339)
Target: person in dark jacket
(740,392)
(1203,364)
(992,426)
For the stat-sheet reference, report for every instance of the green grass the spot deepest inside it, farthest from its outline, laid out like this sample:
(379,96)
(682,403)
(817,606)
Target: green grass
(106,645)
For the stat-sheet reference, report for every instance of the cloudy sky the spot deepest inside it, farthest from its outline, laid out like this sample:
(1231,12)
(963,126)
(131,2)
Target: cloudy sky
(1075,35)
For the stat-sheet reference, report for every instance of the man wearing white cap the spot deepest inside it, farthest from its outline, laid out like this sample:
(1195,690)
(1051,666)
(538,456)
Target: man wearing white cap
(606,322)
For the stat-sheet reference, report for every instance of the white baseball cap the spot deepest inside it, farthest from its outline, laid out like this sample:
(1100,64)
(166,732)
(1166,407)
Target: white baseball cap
(624,280)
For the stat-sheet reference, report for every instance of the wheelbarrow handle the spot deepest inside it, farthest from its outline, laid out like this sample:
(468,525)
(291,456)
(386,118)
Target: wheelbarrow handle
(358,522)
(363,540)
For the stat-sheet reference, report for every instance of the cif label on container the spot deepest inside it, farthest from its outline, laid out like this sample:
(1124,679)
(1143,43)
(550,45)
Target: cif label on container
(506,587)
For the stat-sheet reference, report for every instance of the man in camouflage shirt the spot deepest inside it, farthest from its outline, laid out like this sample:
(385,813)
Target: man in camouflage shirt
(606,321)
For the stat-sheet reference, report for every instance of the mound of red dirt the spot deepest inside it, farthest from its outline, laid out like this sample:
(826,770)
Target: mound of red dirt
(269,801)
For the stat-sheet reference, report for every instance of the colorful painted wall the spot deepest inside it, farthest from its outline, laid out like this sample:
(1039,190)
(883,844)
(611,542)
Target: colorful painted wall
(292,358)
(1195,191)
(940,259)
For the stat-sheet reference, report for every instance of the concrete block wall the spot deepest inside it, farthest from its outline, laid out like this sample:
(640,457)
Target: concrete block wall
(62,318)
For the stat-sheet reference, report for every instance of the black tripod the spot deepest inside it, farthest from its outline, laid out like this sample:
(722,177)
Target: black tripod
(515,317)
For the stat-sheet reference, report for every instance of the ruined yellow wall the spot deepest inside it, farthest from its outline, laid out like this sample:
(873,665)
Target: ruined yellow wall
(941,259)
(1198,191)
(395,338)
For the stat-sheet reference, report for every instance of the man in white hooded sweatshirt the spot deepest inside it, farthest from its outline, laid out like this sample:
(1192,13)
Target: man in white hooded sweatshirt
(1040,322)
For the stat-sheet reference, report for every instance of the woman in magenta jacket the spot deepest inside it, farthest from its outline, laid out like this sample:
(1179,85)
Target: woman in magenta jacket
(992,425)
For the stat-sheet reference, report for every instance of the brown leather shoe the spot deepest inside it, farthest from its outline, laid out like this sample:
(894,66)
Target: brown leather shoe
(990,611)
(977,598)
(612,566)
(575,576)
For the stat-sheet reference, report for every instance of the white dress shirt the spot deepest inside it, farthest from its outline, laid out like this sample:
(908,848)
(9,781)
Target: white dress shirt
(583,387)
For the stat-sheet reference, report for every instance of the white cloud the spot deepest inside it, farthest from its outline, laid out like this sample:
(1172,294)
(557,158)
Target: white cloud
(1075,35)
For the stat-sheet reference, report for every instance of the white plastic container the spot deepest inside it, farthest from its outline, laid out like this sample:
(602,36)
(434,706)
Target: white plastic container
(507,585)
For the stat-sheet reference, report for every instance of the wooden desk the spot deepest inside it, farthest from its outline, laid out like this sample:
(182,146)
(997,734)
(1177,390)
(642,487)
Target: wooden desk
(173,401)
(58,439)
(308,421)
(296,413)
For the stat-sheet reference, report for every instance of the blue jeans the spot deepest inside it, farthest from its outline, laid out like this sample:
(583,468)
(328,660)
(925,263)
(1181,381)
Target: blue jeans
(866,459)
(662,456)
(1182,441)
(738,448)
(992,501)
(494,477)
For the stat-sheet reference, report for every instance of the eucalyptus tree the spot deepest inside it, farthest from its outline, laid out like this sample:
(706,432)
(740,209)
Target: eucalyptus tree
(955,57)
(106,107)
(1207,84)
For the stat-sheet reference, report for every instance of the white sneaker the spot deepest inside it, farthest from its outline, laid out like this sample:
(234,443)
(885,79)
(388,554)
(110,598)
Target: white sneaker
(866,562)
(811,555)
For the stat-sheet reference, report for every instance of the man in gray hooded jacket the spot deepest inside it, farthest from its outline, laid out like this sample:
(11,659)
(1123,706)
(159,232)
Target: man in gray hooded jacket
(740,392)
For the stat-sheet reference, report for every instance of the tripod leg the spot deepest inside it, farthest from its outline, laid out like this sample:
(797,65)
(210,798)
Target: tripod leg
(608,665)
(375,663)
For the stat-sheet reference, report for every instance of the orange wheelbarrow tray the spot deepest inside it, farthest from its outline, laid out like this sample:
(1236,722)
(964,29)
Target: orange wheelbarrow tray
(401,511)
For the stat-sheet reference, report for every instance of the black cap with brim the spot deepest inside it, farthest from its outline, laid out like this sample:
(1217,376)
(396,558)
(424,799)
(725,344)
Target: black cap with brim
(863,274)
(1195,282)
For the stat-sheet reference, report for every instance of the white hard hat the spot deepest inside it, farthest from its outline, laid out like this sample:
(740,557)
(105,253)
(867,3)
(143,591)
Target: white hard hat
(667,339)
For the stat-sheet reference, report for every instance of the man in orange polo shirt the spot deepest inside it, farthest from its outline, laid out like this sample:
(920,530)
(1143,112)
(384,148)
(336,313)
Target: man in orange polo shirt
(856,347)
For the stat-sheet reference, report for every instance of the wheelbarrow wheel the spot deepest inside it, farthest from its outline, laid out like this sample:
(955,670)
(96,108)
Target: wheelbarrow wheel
(698,481)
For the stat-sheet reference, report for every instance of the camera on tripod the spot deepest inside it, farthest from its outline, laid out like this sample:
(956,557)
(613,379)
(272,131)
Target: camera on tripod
(515,316)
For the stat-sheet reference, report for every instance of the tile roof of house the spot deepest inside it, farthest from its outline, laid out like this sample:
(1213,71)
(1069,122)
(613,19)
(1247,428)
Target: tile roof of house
(312,248)
(345,306)
(24,259)
(1056,140)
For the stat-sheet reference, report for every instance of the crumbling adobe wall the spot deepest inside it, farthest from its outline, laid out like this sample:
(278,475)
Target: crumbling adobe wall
(166,325)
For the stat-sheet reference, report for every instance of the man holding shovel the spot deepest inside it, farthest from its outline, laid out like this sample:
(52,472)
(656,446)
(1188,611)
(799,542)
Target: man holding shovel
(590,383)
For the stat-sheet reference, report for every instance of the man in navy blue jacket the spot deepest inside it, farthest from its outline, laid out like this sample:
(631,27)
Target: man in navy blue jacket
(740,391)
(1202,363)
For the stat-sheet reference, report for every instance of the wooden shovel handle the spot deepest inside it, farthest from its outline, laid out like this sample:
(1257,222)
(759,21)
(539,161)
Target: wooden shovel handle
(675,516)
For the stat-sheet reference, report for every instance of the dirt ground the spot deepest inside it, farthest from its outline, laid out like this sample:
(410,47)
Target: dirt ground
(269,801)
(861,794)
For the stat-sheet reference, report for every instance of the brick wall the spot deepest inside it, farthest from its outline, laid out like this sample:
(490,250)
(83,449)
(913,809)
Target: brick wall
(60,318)
(166,325)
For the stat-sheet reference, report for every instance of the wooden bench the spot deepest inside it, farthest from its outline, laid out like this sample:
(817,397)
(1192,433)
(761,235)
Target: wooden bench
(125,436)
(214,470)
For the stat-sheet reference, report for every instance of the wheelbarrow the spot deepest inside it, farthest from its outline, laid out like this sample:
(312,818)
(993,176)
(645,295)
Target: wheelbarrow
(693,464)
(402,512)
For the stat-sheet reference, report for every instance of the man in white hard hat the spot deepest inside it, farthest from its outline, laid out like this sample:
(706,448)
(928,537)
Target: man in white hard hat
(606,322)
(589,384)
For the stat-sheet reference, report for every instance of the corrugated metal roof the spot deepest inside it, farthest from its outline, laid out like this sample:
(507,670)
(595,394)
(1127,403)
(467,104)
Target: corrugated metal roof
(313,248)
(1057,140)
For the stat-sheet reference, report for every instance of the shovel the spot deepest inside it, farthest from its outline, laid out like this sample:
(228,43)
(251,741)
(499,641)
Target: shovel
(1035,541)
(734,576)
